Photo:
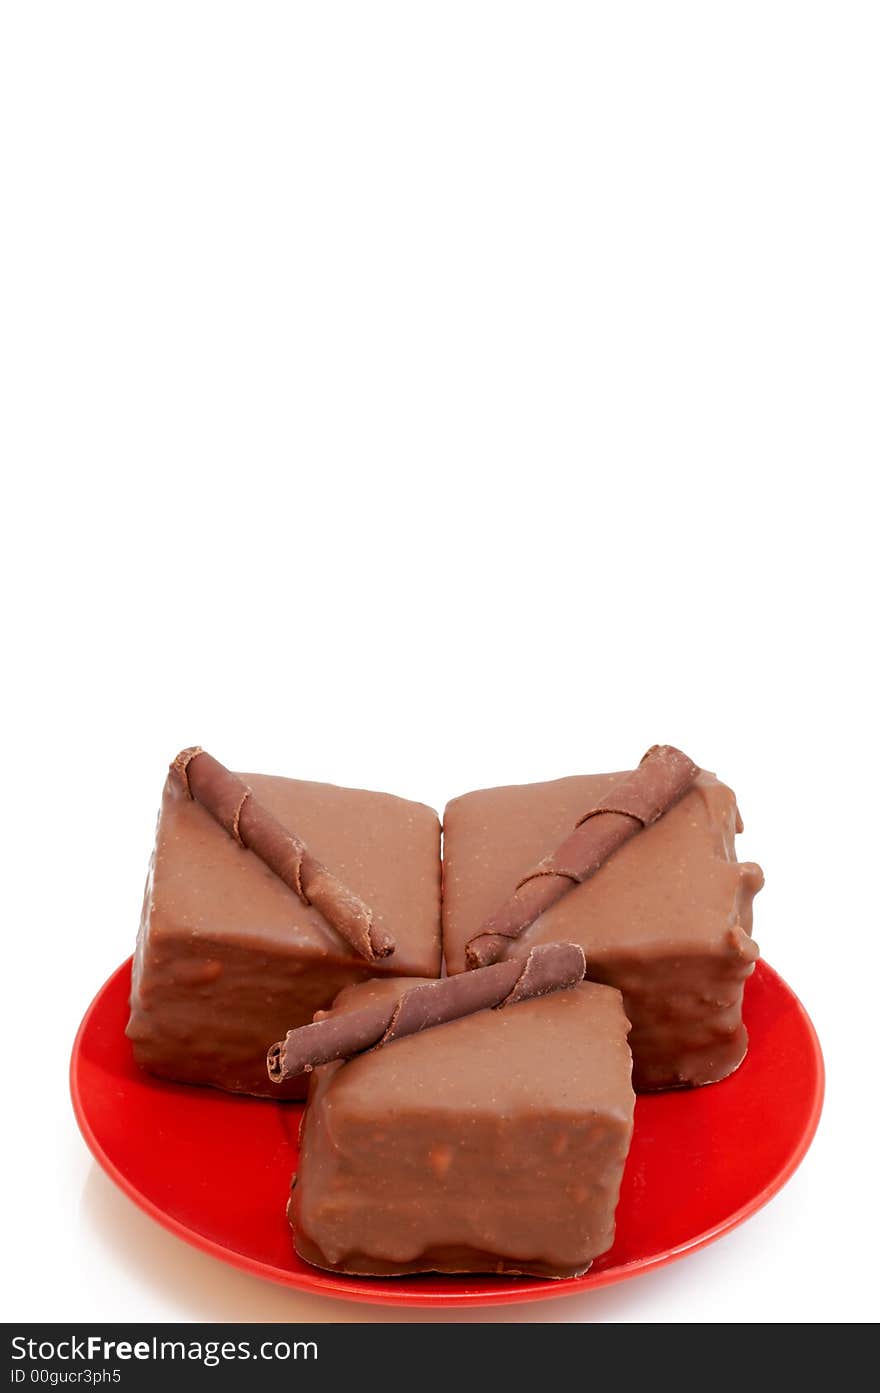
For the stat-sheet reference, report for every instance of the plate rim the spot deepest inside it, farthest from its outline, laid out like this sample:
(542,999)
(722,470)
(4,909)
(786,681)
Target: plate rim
(351,1289)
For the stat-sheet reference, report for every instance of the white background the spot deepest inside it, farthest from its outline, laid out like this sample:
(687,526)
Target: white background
(424,396)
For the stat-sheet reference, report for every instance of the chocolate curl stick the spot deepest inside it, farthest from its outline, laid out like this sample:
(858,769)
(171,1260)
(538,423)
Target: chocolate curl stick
(235,807)
(634,802)
(548,968)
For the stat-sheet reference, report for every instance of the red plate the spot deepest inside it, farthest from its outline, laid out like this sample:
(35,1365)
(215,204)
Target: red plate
(215,1168)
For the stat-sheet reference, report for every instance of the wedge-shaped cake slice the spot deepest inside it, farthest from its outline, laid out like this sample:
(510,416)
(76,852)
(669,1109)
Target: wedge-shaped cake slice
(491,1143)
(667,918)
(229,956)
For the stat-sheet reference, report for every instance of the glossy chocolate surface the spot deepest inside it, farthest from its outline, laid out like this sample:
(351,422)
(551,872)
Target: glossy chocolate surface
(667,918)
(229,958)
(491,1143)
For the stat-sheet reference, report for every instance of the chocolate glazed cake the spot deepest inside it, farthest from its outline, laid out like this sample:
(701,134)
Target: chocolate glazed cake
(641,871)
(482,1124)
(265,897)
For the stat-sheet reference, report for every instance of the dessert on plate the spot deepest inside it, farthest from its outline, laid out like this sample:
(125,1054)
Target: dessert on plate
(475,1124)
(596,935)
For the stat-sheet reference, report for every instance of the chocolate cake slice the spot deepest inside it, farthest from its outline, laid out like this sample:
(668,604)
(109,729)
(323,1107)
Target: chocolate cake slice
(265,897)
(663,911)
(493,1142)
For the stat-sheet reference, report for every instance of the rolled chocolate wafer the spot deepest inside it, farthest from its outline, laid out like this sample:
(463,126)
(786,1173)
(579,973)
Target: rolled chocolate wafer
(548,968)
(231,803)
(636,801)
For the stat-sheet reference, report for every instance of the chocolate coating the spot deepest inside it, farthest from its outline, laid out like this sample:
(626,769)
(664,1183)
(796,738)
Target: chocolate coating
(667,918)
(485,1144)
(634,801)
(229,958)
(237,808)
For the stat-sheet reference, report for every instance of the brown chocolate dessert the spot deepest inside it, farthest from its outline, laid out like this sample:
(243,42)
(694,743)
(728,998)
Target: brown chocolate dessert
(482,1144)
(666,917)
(231,953)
